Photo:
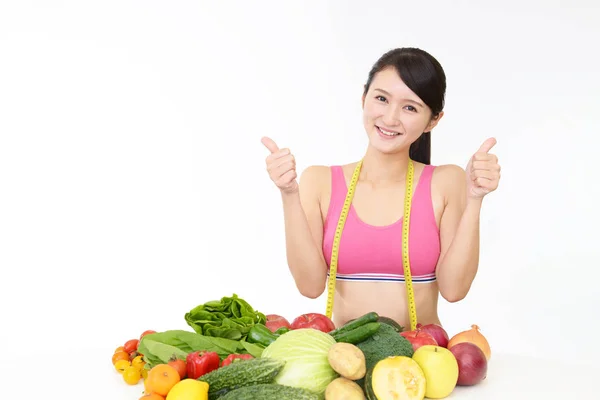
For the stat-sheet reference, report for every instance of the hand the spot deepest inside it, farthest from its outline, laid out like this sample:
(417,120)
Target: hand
(281,166)
(483,171)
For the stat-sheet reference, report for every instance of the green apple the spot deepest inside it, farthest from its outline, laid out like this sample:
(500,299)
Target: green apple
(440,368)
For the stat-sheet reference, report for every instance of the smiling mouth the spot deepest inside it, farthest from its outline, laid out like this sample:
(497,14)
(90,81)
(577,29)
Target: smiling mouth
(386,132)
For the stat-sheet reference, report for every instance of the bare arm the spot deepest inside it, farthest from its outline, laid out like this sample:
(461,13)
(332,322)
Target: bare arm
(459,227)
(304,234)
(459,235)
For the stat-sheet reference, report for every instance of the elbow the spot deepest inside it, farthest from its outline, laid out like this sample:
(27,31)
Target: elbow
(311,290)
(310,294)
(454,295)
(453,298)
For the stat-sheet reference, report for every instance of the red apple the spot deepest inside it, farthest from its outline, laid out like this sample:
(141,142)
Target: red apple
(439,334)
(315,321)
(419,338)
(472,364)
(275,322)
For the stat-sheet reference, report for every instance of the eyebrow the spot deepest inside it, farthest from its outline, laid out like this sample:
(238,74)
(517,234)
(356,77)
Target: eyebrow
(390,95)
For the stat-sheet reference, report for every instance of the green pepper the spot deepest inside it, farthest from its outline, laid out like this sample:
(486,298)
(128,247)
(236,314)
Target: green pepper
(282,330)
(260,334)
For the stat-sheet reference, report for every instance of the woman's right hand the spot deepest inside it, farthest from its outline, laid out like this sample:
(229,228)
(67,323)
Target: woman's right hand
(281,166)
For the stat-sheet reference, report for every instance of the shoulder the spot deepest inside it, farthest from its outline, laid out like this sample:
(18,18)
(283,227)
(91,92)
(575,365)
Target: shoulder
(450,172)
(449,180)
(314,174)
(314,179)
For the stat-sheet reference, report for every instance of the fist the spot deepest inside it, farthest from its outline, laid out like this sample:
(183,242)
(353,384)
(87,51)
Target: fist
(483,171)
(281,166)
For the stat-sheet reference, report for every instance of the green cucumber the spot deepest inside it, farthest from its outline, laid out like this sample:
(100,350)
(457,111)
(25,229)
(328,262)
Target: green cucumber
(271,391)
(359,334)
(250,372)
(355,323)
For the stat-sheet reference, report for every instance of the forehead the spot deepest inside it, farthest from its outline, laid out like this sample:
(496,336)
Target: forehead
(389,80)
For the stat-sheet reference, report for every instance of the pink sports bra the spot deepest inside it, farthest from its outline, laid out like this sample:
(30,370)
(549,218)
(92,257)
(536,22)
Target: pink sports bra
(374,253)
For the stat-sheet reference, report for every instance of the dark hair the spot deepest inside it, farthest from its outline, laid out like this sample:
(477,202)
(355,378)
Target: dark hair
(424,75)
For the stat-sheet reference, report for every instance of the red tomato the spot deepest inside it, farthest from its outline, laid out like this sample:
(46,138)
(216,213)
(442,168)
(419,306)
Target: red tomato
(131,345)
(146,333)
(180,366)
(315,321)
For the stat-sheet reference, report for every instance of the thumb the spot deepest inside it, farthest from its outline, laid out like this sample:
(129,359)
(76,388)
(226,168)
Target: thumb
(487,145)
(269,144)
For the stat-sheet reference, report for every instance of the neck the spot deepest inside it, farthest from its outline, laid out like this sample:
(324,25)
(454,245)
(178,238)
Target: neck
(380,167)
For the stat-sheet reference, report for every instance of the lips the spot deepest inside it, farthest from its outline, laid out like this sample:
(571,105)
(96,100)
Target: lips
(385,133)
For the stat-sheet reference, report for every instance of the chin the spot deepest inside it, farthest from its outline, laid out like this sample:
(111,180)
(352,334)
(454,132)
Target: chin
(386,146)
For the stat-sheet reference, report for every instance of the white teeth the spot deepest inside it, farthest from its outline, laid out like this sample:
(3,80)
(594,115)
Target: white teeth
(388,133)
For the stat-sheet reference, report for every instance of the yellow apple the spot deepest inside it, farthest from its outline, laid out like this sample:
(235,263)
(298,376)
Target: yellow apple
(440,368)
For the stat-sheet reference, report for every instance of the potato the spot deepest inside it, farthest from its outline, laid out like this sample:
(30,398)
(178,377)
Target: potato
(343,389)
(347,360)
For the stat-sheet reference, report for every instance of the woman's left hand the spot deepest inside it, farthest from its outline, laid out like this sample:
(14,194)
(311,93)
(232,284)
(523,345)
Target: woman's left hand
(483,171)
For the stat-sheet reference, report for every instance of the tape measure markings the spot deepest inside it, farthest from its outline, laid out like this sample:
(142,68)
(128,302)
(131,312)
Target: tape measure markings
(405,237)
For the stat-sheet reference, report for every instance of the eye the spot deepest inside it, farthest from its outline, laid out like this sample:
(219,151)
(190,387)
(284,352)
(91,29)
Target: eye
(411,108)
(380,98)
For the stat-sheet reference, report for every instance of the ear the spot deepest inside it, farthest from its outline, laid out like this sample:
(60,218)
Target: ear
(433,122)
(363,96)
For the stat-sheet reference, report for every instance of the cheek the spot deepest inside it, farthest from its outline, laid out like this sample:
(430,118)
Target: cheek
(416,124)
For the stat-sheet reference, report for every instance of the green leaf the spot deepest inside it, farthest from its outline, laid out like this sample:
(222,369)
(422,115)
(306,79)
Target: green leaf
(230,318)
(253,349)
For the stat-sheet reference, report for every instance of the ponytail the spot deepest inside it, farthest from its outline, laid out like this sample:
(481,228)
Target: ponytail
(420,150)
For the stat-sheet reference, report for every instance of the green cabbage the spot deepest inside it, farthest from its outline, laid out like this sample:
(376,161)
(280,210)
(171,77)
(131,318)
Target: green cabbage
(305,354)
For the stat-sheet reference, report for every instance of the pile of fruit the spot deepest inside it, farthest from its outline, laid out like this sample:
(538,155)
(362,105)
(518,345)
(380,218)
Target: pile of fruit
(235,353)
(128,362)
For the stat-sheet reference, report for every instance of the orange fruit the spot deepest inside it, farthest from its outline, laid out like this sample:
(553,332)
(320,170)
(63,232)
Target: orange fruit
(152,396)
(161,379)
(120,355)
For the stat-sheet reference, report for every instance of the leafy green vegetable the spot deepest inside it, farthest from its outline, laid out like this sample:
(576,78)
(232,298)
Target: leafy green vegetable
(229,318)
(158,348)
(254,349)
(305,352)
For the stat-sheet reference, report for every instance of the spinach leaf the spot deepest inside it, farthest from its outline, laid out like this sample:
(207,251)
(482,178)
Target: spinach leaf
(253,349)
(159,348)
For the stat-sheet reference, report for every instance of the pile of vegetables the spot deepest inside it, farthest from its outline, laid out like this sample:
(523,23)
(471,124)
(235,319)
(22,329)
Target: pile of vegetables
(236,352)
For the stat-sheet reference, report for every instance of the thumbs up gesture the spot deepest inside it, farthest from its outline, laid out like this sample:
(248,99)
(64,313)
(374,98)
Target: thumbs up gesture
(483,171)
(281,166)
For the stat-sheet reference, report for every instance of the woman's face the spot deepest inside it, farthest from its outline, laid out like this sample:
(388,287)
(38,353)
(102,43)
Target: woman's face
(393,115)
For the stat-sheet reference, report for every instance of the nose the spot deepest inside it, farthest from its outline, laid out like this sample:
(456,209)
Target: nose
(391,116)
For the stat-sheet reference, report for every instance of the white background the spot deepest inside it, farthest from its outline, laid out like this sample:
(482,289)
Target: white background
(132,179)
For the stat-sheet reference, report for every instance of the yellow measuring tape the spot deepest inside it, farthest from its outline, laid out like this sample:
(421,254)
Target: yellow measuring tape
(405,235)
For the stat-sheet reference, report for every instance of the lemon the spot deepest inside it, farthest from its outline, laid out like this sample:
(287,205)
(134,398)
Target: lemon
(189,389)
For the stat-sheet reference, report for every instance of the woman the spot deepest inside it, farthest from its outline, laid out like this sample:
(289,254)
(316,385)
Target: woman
(402,102)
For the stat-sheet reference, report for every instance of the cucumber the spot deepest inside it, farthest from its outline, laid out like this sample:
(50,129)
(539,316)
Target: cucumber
(359,334)
(271,391)
(236,375)
(355,323)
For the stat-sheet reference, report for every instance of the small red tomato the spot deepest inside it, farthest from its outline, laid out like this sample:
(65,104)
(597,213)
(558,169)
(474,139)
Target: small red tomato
(180,366)
(131,345)
(146,333)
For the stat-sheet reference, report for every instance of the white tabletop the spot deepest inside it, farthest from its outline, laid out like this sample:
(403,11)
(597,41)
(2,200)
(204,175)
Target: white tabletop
(90,375)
